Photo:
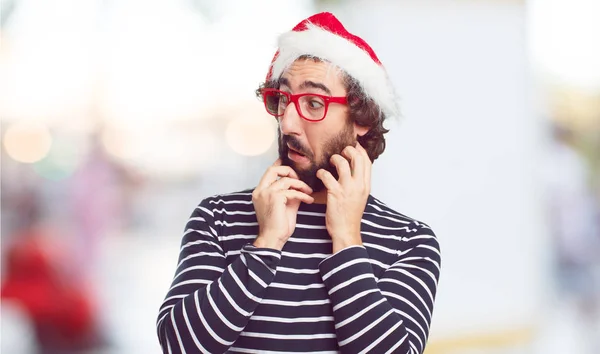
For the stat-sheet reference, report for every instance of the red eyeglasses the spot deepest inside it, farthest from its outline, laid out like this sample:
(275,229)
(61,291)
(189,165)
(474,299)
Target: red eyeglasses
(310,106)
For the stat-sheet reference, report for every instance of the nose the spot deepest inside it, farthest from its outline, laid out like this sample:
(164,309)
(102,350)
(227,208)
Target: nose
(291,122)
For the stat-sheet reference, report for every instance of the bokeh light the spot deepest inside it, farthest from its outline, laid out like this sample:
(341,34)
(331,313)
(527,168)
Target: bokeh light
(123,143)
(63,159)
(27,142)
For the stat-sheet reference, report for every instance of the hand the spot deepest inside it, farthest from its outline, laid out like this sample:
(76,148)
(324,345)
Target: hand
(347,197)
(276,201)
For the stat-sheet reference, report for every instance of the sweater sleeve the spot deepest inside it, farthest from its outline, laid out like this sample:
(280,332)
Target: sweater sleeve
(209,302)
(388,315)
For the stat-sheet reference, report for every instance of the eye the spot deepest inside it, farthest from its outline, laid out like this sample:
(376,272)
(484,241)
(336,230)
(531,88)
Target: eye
(315,103)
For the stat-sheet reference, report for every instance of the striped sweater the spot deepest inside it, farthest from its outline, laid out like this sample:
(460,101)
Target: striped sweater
(229,296)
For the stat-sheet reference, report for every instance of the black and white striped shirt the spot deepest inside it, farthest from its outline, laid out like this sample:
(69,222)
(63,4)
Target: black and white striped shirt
(228,295)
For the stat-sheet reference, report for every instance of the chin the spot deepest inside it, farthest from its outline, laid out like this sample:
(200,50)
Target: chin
(306,174)
(309,176)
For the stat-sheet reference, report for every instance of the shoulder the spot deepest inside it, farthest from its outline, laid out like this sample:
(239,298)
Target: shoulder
(384,219)
(228,207)
(229,201)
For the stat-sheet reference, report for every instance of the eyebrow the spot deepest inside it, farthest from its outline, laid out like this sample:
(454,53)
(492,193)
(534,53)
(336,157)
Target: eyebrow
(305,84)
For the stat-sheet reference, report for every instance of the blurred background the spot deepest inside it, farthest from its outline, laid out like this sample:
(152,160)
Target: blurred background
(118,117)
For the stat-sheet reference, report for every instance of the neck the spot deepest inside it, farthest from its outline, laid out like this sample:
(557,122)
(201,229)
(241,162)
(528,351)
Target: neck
(320,196)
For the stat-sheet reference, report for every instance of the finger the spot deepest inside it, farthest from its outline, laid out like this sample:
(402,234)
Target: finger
(367,162)
(328,180)
(356,161)
(342,167)
(277,162)
(273,173)
(363,151)
(292,194)
(285,183)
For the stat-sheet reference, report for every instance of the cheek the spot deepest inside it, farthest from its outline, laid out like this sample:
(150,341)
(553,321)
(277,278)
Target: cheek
(326,130)
(315,139)
(319,149)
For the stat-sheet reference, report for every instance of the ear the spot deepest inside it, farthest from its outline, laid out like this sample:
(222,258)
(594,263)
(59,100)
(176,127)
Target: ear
(360,130)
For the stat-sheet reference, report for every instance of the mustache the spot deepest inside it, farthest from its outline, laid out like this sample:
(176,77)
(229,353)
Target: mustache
(295,144)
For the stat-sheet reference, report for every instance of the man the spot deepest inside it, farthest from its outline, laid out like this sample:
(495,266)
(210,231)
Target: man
(308,261)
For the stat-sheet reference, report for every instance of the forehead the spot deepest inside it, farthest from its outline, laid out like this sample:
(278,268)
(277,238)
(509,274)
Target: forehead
(317,71)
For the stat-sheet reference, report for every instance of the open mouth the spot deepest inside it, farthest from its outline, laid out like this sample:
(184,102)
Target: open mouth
(296,151)
(296,155)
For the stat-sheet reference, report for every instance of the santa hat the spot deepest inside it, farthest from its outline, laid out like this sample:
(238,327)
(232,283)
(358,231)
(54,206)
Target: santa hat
(323,36)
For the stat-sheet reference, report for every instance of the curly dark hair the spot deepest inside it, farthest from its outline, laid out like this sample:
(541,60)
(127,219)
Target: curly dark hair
(362,110)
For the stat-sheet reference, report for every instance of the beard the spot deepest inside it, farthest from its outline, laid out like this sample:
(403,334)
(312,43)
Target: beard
(333,146)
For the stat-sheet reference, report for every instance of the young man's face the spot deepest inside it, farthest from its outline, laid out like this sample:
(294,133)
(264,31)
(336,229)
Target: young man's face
(307,146)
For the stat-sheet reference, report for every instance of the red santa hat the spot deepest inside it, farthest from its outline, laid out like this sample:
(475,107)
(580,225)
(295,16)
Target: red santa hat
(323,36)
